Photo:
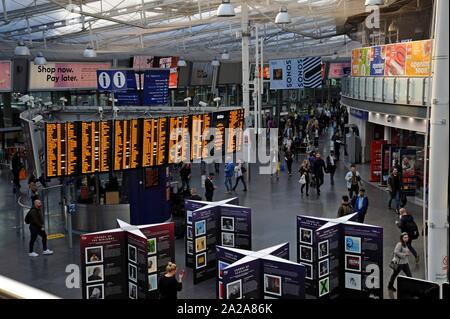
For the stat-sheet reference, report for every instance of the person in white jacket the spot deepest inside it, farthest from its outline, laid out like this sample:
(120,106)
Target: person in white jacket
(353,180)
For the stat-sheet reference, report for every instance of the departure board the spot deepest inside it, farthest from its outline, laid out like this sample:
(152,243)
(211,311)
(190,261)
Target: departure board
(178,150)
(206,135)
(96,143)
(235,133)
(154,142)
(126,144)
(61,149)
(220,124)
(196,137)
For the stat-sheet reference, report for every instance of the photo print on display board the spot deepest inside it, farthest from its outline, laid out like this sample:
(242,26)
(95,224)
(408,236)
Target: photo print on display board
(305,236)
(234,289)
(227,223)
(272,284)
(308,271)
(306,253)
(324,286)
(324,268)
(189,232)
(323,249)
(93,255)
(222,266)
(95,291)
(200,228)
(152,264)
(151,246)
(200,244)
(132,255)
(132,291)
(190,247)
(189,217)
(352,281)
(200,261)
(152,282)
(352,244)
(228,239)
(353,262)
(132,272)
(94,273)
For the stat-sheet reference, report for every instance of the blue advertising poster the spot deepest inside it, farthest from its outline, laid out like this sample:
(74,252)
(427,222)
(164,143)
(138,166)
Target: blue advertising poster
(362,264)
(156,87)
(296,73)
(377,59)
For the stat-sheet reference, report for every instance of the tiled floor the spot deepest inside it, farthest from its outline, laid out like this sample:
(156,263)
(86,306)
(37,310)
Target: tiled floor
(275,205)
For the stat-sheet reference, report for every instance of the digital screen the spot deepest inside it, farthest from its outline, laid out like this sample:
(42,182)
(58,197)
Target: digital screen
(178,139)
(96,141)
(61,149)
(196,136)
(154,142)
(235,131)
(220,124)
(206,135)
(126,144)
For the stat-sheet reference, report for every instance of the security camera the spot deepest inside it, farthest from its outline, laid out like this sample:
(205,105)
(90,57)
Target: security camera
(100,110)
(217,99)
(37,119)
(48,103)
(116,109)
(187,99)
(201,103)
(389,119)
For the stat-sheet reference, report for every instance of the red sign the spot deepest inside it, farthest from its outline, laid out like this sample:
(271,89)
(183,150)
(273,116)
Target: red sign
(5,75)
(337,70)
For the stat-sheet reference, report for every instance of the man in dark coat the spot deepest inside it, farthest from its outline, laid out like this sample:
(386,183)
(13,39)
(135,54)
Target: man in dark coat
(318,169)
(209,187)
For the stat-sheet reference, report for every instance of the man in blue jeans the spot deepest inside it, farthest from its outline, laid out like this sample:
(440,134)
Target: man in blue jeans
(229,171)
(395,187)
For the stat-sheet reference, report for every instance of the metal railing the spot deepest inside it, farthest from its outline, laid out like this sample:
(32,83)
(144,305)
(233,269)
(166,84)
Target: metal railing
(393,90)
(12,289)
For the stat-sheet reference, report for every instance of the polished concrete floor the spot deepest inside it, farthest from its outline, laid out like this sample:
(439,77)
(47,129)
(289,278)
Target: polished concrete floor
(275,205)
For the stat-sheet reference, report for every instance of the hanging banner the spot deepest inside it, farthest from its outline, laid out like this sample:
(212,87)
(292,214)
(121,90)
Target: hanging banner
(356,54)
(364,62)
(377,60)
(418,58)
(408,160)
(296,73)
(65,75)
(337,70)
(395,59)
(5,76)
(143,62)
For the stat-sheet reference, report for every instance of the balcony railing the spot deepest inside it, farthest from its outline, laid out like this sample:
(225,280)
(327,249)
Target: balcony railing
(398,90)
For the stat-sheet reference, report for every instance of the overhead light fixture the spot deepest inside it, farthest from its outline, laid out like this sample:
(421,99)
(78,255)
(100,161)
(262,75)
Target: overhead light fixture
(282,16)
(374,2)
(21,49)
(334,56)
(225,55)
(40,59)
(393,27)
(215,62)
(181,63)
(89,52)
(226,9)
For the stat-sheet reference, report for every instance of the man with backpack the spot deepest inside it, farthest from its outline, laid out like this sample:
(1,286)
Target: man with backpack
(229,172)
(36,220)
(409,226)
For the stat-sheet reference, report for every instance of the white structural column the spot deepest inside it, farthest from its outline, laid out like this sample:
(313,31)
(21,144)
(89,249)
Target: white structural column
(439,151)
(245,59)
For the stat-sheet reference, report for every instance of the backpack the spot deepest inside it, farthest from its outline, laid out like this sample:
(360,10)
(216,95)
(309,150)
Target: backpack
(412,229)
(28,217)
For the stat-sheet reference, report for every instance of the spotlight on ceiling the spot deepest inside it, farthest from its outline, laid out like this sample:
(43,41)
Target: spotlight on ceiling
(225,55)
(89,52)
(226,9)
(282,16)
(21,49)
(40,59)
(181,63)
(215,62)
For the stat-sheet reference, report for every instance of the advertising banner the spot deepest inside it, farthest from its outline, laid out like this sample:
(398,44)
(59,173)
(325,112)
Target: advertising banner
(418,58)
(296,73)
(377,60)
(395,59)
(356,56)
(408,160)
(171,63)
(65,75)
(337,70)
(364,62)
(5,76)
(143,62)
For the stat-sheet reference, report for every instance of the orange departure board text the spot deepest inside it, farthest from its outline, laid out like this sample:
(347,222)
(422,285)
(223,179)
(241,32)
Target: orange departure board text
(61,149)
(206,132)
(95,150)
(153,142)
(233,124)
(196,137)
(162,141)
(126,144)
(179,139)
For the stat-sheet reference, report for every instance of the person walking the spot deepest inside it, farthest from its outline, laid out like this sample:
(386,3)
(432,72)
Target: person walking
(395,188)
(318,170)
(185,174)
(400,260)
(239,172)
(408,225)
(229,171)
(36,221)
(337,145)
(168,284)
(32,188)
(345,208)
(331,166)
(360,205)
(304,176)
(209,187)
(289,158)
(353,179)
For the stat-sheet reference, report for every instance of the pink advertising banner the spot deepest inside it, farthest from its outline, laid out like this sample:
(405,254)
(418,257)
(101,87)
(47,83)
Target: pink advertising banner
(336,70)
(65,75)
(5,76)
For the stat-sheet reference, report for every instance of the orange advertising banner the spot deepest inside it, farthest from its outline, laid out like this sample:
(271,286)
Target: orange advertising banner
(5,76)
(418,58)
(356,55)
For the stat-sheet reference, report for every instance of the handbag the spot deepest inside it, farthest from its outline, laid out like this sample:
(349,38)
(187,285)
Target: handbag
(302,179)
(394,263)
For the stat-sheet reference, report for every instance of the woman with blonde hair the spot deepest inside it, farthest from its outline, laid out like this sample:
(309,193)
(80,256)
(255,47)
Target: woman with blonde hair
(304,176)
(168,284)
